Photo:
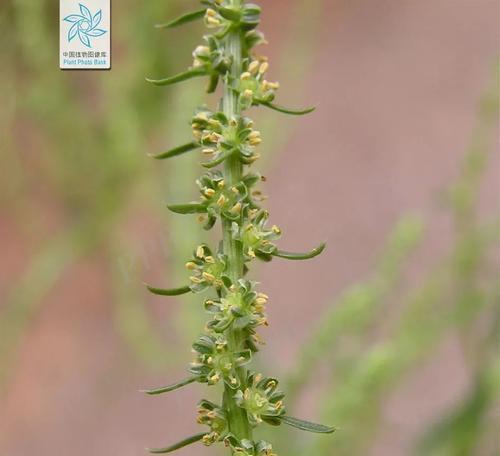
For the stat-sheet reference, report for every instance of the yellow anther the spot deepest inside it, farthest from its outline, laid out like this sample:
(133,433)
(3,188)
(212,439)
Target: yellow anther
(208,152)
(195,280)
(247,94)
(257,379)
(251,253)
(209,192)
(203,50)
(200,251)
(190,265)
(211,13)
(274,85)
(245,75)
(255,134)
(210,259)
(222,200)
(263,67)
(214,123)
(236,209)
(213,21)
(235,190)
(276,229)
(203,116)
(254,66)
(255,141)
(215,137)
(221,184)
(252,213)
(208,277)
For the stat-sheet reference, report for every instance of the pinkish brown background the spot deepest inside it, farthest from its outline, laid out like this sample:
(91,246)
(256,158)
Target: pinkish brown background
(397,84)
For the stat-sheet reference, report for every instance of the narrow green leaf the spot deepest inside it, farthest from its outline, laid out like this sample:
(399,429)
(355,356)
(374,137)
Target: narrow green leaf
(219,160)
(189,17)
(182,444)
(292,112)
(176,151)
(168,389)
(300,256)
(170,292)
(189,208)
(194,73)
(307,425)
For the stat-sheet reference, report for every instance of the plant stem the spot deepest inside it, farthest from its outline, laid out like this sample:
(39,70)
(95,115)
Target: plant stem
(233,170)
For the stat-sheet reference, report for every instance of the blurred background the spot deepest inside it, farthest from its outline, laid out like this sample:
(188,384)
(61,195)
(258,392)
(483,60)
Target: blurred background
(391,335)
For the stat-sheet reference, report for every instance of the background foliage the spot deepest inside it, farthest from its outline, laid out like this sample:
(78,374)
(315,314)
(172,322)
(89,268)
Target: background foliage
(78,197)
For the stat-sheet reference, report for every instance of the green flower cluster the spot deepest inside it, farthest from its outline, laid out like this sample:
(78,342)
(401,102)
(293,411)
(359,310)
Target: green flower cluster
(236,309)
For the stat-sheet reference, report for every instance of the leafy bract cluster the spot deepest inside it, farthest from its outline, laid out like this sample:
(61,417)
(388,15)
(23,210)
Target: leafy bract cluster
(236,308)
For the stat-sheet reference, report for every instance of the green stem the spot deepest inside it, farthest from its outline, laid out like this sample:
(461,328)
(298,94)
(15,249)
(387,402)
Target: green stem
(233,170)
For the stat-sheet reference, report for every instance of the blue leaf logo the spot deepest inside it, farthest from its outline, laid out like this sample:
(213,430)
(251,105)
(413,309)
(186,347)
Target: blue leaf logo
(84,26)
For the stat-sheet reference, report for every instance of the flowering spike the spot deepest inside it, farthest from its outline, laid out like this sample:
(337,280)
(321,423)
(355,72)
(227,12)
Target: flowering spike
(229,192)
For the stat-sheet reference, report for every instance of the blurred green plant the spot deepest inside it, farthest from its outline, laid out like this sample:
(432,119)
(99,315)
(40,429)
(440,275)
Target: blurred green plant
(92,201)
(460,296)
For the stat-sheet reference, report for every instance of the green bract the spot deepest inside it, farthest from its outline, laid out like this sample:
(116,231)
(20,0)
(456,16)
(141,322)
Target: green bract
(228,143)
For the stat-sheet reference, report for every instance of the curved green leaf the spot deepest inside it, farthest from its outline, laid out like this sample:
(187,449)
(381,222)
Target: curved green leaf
(219,160)
(292,112)
(189,17)
(168,389)
(176,151)
(194,73)
(169,292)
(307,425)
(181,444)
(300,256)
(189,208)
